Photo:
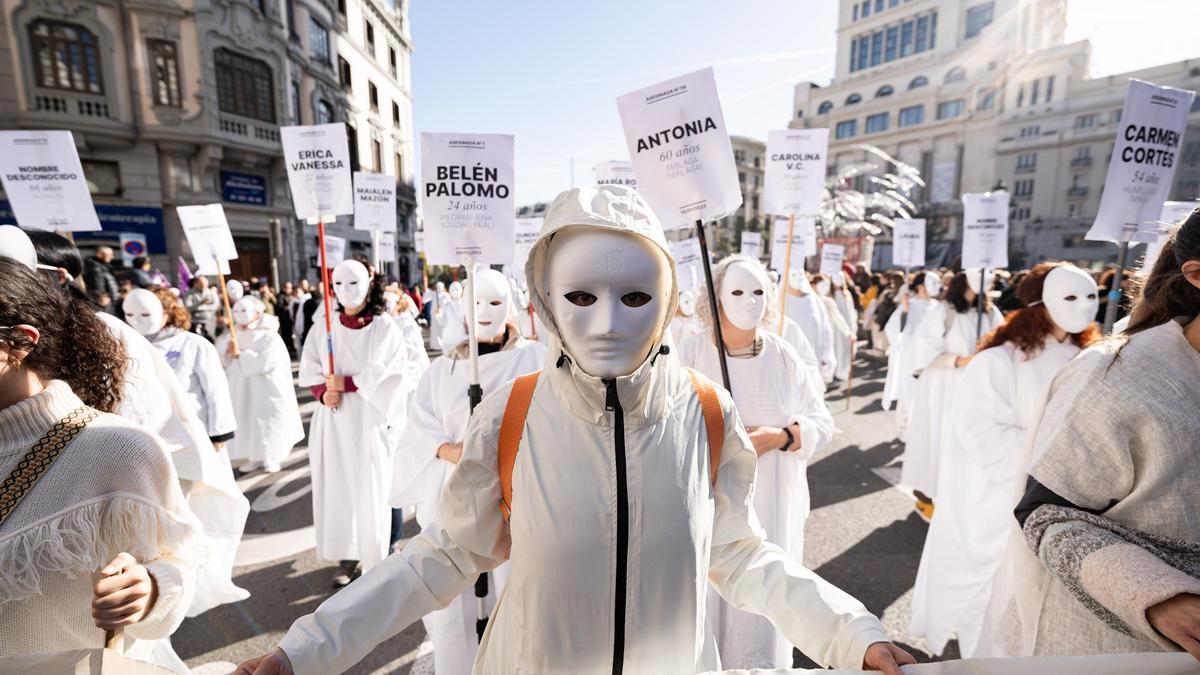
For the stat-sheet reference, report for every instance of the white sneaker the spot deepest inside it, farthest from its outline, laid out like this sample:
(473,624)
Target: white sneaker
(272,468)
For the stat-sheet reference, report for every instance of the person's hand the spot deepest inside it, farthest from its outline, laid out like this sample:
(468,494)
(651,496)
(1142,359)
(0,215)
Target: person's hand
(1178,619)
(766,439)
(218,445)
(904,301)
(331,398)
(335,383)
(124,595)
(886,657)
(274,663)
(962,361)
(451,452)
(233,350)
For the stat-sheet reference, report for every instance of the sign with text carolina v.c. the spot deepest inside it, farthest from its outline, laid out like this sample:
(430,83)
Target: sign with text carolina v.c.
(680,149)
(467,183)
(794,179)
(318,168)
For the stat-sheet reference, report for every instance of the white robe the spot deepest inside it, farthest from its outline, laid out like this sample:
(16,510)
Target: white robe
(898,386)
(264,399)
(198,367)
(809,312)
(411,331)
(930,424)
(683,327)
(999,405)
(804,349)
(350,449)
(770,389)
(438,414)
(438,318)
(843,333)
(454,323)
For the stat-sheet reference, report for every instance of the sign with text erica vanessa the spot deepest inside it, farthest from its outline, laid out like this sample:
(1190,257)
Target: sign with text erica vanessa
(318,168)
(680,149)
(985,230)
(467,198)
(1143,160)
(616,173)
(44,181)
(794,182)
(908,242)
(374,201)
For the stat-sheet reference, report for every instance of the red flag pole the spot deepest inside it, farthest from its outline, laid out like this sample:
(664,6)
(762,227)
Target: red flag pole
(325,295)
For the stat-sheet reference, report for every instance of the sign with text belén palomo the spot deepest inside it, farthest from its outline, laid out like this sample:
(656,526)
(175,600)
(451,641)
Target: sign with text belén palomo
(1143,161)
(985,230)
(794,180)
(467,183)
(44,181)
(318,168)
(680,150)
(374,201)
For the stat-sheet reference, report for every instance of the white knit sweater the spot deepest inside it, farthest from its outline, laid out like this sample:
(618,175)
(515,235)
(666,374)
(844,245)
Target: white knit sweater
(112,489)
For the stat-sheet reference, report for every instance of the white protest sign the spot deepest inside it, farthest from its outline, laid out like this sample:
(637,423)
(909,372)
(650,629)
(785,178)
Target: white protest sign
(525,234)
(689,266)
(335,251)
(985,230)
(419,242)
(133,245)
(751,244)
(374,201)
(779,236)
(44,181)
(318,169)
(615,173)
(386,241)
(680,149)
(208,236)
(908,242)
(832,256)
(1173,214)
(1143,160)
(467,198)
(794,181)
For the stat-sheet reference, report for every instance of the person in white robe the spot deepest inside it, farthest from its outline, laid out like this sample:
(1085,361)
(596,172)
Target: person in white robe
(454,316)
(788,423)
(944,344)
(794,336)
(353,433)
(843,331)
(686,323)
(998,406)
(260,384)
(808,311)
(436,300)
(432,444)
(921,296)
(525,315)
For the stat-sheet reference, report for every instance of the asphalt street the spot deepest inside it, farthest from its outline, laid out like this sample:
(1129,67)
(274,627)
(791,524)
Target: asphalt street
(863,535)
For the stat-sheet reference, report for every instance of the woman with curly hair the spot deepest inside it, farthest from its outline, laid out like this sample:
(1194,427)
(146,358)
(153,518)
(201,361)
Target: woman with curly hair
(981,475)
(103,538)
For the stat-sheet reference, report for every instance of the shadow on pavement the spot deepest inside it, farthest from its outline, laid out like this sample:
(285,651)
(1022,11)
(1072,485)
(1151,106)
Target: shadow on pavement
(847,474)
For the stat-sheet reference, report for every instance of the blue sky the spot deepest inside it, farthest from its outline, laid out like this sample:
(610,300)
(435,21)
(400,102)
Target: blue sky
(549,71)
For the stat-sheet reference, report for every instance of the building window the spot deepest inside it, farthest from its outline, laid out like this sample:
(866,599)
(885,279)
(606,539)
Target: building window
(978,18)
(955,75)
(918,81)
(863,44)
(855,12)
(891,44)
(1049,88)
(1023,188)
(392,60)
(399,167)
(877,123)
(103,178)
(906,38)
(922,33)
(1031,131)
(373,95)
(866,8)
(324,112)
(1021,213)
(885,90)
(1020,96)
(1085,121)
(847,129)
(344,74)
(164,64)
(877,48)
(396,115)
(1033,92)
(296,102)
(1026,162)
(318,41)
(376,156)
(853,98)
(825,107)
(290,12)
(878,6)
(1083,152)
(65,56)
(352,143)
(911,115)
(371,38)
(342,7)
(244,86)
(950,109)
(987,99)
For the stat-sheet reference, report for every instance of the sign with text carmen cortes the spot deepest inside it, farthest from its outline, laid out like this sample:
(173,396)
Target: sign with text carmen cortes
(751,244)
(208,235)
(908,242)
(832,256)
(467,183)
(616,173)
(1143,161)
(680,150)
(985,230)
(318,169)
(794,179)
(374,201)
(44,181)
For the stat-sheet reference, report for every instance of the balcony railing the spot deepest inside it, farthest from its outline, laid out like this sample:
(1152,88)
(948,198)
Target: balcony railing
(1077,191)
(89,107)
(1081,161)
(1026,169)
(249,129)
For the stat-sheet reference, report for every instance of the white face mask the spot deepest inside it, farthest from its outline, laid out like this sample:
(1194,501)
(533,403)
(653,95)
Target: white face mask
(245,313)
(351,283)
(607,292)
(973,279)
(822,287)
(440,287)
(235,290)
(392,300)
(143,311)
(687,303)
(456,290)
(933,285)
(743,300)
(492,304)
(1070,297)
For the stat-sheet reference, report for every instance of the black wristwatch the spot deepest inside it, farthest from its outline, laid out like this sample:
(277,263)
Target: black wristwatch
(790,439)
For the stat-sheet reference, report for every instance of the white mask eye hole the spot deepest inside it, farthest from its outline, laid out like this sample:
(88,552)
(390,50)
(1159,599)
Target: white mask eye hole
(737,293)
(1071,298)
(580,298)
(635,299)
(1091,296)
(495,303)
(758,291)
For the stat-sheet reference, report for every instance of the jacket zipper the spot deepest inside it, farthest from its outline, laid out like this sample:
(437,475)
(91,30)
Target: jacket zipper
(613,403)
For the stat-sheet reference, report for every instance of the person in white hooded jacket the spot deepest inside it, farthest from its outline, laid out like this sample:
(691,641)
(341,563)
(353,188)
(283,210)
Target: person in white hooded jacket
(617,518)
(808,311)
(915,302)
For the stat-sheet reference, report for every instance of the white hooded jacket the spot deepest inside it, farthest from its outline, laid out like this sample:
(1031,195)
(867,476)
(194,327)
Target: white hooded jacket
(593,577)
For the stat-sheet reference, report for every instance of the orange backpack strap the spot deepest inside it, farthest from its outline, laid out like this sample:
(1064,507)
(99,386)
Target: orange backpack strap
(714,419)
(511,428)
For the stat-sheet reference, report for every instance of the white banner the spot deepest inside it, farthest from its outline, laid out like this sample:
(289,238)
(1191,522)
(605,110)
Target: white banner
(133,245)
(832,256)
(615,173)
(335,251)
(1173,213)
(1143,160)
(751,244)
(374,201)
(467,198)
(208,236)
(387,241)
(985,230)
(779,235)
(689,266)
(908,242)
(680,149)
(44,181)
(525,234)
(318,168)
(794,181)
(941,188)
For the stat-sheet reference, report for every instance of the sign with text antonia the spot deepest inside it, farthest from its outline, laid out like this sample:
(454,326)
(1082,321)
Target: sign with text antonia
(1143,161)
(680,150)
(374,201)
(318,169)
(985,230)
(908,242)
(794,181)
(467,183)
(44,181)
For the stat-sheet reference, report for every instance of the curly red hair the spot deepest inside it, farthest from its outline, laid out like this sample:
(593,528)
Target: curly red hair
(1028,327)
